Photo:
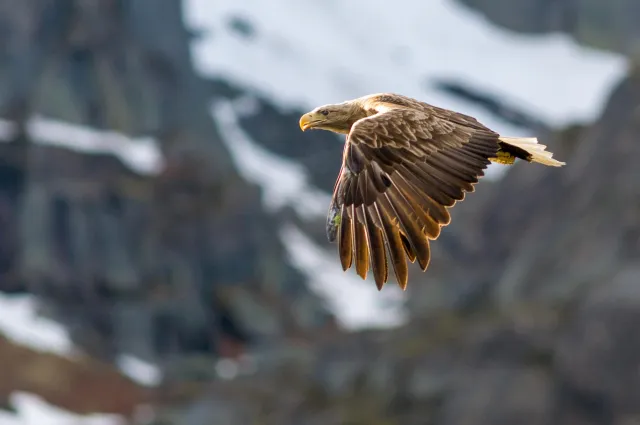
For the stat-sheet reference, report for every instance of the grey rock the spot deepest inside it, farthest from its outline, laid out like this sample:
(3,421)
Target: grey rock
(604,25)
(599,352)
(91,234)
(500,396)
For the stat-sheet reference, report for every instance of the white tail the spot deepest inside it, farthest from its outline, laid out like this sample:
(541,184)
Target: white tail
(536,150)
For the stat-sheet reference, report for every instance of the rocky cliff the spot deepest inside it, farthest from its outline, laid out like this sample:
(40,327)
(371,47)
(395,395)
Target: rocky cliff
(182,262)
(607,25)
(527,314)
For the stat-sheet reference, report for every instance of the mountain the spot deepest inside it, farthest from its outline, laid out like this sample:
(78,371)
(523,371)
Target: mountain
(160,207)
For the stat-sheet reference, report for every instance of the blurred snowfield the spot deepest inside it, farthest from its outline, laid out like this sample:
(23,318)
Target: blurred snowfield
(21,323)
(304,54)
(33,410)
(142,155)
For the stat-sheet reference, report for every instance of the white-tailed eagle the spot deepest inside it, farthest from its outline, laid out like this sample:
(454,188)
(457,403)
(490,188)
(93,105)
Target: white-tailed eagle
(405,163)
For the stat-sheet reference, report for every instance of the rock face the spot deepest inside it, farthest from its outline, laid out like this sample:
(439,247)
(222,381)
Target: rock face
(536,327)
(601,24)
(182,263)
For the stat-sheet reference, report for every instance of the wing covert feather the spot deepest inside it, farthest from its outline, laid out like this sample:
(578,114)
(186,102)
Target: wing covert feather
(403,169)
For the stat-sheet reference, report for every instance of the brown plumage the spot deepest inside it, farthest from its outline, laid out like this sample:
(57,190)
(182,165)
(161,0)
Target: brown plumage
(405,163)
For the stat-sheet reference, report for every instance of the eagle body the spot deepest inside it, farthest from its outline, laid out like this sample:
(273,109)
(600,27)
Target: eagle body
(405,164)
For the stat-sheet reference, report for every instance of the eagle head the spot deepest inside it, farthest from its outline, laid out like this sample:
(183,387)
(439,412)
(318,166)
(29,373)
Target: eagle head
(337,118)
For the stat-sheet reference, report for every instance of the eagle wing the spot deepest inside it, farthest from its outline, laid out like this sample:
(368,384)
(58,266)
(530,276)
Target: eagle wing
(402,169)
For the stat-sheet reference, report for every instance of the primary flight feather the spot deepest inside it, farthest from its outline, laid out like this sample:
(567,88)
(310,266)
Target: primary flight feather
(405,163)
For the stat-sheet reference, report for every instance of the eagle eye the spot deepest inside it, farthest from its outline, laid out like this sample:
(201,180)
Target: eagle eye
(324,112)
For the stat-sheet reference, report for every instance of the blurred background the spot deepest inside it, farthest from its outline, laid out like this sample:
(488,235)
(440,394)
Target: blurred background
(162,250)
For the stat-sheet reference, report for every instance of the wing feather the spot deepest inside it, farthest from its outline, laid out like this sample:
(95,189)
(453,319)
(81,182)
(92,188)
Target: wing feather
(377,252)
(360,248)
(430,185)
(403,169)
(345,240)
(430,206)
(394,242)
(411,228)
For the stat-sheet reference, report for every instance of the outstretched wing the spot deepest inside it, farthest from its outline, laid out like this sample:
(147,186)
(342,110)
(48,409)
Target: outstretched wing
(402,169)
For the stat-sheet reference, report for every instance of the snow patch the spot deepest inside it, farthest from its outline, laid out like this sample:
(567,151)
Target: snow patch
(141,154)
(283,182)
(33,410)
(356,303)
(142,372)
(21,323)
(305,55)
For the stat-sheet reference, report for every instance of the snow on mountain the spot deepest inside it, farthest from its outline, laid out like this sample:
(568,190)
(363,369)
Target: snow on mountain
(33,410)
(303,54)
(284,182)
(142,155)
(357,304)
(21,322)
(138,370)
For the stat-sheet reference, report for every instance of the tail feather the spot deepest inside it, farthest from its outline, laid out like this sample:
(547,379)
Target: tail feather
(535,151)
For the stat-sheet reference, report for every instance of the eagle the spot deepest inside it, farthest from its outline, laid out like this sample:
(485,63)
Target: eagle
(405,164)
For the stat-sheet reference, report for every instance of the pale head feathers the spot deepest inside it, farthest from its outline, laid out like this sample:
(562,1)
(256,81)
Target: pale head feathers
(337,117)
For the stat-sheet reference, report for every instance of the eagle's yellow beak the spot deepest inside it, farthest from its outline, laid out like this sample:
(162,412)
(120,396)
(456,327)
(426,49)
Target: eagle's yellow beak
(308,120)
(305,121)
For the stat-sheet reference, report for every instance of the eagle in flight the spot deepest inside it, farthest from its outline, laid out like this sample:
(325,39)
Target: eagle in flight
(405,163)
